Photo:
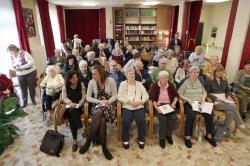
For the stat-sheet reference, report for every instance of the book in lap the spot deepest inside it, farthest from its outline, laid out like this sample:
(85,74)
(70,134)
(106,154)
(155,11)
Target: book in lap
(202,107)
(166,108)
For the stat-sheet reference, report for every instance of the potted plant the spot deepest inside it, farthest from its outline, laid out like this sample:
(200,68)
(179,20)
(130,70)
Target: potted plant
(9,111)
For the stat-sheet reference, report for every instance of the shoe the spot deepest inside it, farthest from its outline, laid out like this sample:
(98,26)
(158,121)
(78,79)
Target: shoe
(188,143)
(162,143)
(85,148)
(170,140)
(125,145)
(211,141)
(244,116)
(106,153)
(141,145)
(74,147)
(227,133)
(23,106)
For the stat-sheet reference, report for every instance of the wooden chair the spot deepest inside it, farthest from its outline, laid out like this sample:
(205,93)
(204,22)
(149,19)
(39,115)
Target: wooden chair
(221,114)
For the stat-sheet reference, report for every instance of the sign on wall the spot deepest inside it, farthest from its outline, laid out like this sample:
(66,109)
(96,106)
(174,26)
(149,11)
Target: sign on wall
(29,22)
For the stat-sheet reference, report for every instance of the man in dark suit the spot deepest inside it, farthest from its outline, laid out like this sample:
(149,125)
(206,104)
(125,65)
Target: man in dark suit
(175,41)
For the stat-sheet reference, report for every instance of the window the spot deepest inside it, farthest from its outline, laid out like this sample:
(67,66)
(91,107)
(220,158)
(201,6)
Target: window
(55,25)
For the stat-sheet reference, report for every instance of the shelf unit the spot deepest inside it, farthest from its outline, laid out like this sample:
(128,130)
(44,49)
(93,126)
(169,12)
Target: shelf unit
(118,25)
(140,25)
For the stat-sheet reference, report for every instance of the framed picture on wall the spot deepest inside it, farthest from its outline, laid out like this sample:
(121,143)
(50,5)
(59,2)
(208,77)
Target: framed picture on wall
(29,22)
(214,31)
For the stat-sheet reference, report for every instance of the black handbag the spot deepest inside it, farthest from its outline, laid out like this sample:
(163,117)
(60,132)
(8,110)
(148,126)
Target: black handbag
(52,143)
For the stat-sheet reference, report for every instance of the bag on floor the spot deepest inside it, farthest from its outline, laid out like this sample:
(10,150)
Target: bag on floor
(58,108)
(219,131)
(52,143)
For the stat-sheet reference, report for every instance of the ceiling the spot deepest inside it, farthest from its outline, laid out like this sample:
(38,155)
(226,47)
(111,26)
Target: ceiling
(106,3)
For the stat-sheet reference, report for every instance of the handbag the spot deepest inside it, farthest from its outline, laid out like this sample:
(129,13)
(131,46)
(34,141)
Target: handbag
(58,108)
(52,143)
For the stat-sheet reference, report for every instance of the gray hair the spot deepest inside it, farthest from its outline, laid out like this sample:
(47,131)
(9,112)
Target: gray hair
(50,68)
(82,63)
(91,53)
(131,68)
(193,68)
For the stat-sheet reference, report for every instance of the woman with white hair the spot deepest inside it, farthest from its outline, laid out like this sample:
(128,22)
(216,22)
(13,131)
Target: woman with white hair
(192,90)
(163,92)
(133,95)
(84,74)
(197,58)
(53,83)
(91,60)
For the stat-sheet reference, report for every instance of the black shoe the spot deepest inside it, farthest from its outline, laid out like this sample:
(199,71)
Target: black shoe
(170,140)
(211,141)
(188,143)
(244,116)
(74,147)
(106,153)
(125,146)
(162,143)
(141,145)
(85,148)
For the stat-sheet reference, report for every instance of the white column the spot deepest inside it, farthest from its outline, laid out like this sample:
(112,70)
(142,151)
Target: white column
(109,22)
(238,39)
(180,17)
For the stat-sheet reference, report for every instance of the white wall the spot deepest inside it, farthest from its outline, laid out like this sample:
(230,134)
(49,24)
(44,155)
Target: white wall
(109,22)
(238,38)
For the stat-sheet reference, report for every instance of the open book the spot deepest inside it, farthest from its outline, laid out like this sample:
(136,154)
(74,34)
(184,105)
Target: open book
(202,107)
(165,109)
(223,98)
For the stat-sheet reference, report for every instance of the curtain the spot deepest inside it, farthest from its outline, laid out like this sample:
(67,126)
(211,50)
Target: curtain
(195,13)
(185,24)
(43,7)
(229,32)
(84,22)
(102,24)
(55,25)
(246,49)
(20,24)
(61,22)
(170,10)
(174,21)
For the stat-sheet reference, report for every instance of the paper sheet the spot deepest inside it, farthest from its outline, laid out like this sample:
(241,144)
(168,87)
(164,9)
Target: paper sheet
(165,109)
(202,107)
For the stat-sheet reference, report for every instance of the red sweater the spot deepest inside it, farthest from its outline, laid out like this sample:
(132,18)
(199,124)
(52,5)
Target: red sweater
(5,83)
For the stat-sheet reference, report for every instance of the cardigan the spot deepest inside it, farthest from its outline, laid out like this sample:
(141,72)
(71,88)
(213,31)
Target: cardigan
(110,89)
(154,92)
(212,86)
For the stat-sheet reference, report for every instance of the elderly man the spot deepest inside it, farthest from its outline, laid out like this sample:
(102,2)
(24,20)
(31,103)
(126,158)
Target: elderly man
(91,60)
(162,67)
(57,59)
(196,58)
(87,48)
(115,73)
(142,75)
(209,68)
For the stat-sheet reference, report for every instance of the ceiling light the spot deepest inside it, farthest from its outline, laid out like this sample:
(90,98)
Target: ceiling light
(215,1)
(150,2)
(88,3)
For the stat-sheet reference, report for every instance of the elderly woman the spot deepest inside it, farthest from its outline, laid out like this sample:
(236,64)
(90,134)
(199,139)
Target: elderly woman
(84,74)
(192,90)
(172,62)
(163,92)
(26,72)
(242,84)
(209,68)
(53,83)
(102,93)
(218,90)
(131,62)
(77,55)
(73,94)
(181,72)
(91,60)
(6,87)
(70,64)
(196,58)
(142,75)
(133,95)
(117,54)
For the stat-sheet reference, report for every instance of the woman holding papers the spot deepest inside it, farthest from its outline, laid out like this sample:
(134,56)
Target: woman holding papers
(164,97)
(73,94)
(190,91)
(133,95)
(218,90)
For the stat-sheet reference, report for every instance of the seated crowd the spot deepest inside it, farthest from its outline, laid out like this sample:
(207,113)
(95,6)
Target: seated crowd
(102,75)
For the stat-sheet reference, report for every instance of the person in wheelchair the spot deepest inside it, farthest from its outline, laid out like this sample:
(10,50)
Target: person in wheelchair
(133,95)
(242,88)
(102,93)
(73,95)
(53,84)
(192,90)
(161,93)
(6,87)
(218,90)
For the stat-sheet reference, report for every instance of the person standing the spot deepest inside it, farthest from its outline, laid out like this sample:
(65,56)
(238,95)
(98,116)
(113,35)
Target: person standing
(26,72)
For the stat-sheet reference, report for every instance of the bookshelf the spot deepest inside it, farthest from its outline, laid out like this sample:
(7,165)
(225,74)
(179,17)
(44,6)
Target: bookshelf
(140,25)
(118,25)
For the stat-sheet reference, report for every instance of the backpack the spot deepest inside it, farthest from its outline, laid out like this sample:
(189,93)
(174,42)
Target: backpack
(52,143)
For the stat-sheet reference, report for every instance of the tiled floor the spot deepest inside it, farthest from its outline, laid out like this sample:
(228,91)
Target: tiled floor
(234,150)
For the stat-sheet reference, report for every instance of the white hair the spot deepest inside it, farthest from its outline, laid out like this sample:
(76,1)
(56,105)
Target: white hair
(50,68)
(83,63)
(91,53)
(193,68)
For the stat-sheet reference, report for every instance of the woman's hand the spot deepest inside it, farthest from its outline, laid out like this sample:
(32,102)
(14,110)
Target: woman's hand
(105,102)
(136,103)
(73,105)
(173,105)
(219,100)
(230,98)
